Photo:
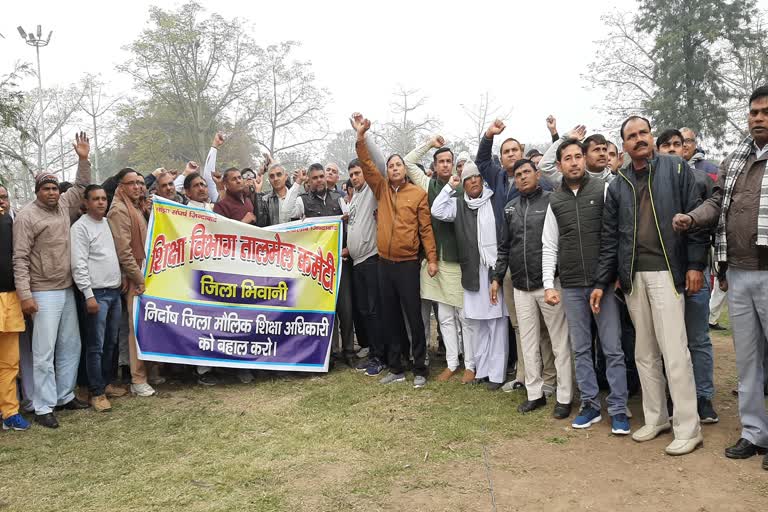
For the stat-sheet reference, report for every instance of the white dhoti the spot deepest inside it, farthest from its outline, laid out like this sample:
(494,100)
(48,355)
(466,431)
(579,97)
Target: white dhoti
(487,332)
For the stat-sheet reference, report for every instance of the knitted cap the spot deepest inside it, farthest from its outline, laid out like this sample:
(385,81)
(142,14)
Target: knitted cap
(470,169)
(44,178)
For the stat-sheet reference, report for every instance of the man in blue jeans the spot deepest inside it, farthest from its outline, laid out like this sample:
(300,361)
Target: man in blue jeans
(43,274)
(96,272)
(571,243)
(671,142)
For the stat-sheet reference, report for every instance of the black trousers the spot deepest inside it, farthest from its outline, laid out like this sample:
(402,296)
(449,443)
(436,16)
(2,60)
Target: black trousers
(365,285)
(344,314)
(399,285)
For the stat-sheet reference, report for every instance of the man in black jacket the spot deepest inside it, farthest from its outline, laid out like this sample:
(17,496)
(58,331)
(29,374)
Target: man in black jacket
(520,250)
(654,266)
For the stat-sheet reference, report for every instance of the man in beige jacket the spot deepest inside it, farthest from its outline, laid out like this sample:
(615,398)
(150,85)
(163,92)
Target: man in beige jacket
(41,264)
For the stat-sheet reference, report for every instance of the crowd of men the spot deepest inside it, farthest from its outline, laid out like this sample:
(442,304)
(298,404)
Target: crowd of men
(591,263)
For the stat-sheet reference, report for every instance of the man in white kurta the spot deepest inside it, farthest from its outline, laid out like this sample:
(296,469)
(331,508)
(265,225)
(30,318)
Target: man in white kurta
(471,211)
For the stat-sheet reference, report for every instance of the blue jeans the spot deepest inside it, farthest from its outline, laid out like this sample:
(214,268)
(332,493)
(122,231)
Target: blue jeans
(578,314)
(699,342)
(101,339)
(55,349)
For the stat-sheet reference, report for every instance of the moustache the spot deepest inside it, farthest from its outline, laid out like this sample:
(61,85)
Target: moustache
(641,145)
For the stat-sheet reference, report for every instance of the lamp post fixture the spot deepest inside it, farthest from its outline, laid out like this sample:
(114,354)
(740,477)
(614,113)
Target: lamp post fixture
(37,41)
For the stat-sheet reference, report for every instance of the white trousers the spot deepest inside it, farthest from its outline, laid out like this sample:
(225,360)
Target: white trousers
(490,339)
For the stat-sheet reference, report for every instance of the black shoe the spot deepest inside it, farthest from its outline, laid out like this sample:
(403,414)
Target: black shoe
(493,386)
(561,411)
(707,413)
(47,420)
(717,327)
(765,463)
(207,379)
(743,449)
(75,404)
(531,405)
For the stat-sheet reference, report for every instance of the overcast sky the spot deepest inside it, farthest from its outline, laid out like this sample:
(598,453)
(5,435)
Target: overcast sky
(361,51)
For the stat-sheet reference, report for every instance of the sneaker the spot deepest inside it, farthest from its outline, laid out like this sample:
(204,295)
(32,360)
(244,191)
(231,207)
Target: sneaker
(47,420)
(707,413)
(207,379)
(512,385)
(363,352)
(531,405)
(419,381)
(142,389)
(561,411)
(363,365)
(446,375)
(469,376)
(100,403)
(586,418)
(15,422)
(375,367)
(115,391)
(392,377)
(244,376)
(620,424)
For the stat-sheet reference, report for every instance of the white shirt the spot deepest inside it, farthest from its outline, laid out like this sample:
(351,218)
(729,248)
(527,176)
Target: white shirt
(94,257)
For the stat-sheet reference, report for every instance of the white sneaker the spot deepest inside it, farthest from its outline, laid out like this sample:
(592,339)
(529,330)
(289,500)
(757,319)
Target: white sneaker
(363,352)
(512,385)
(142,389)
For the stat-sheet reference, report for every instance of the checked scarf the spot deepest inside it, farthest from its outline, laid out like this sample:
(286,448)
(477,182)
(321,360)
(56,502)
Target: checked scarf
(738,160)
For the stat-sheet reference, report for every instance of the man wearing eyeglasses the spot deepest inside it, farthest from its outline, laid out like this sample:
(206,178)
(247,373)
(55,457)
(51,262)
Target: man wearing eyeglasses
(695,156)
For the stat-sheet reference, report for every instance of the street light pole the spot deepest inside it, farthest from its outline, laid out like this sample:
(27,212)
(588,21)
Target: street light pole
(37,42)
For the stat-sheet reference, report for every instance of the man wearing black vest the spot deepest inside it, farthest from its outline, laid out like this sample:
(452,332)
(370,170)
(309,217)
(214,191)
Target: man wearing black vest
(572,236)
(445,289)
(321,201)
(655,267)
(470,209)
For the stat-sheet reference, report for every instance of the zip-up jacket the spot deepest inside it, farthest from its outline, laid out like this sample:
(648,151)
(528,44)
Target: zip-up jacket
(504,189)
(673,190)
(404,223)
(520,247)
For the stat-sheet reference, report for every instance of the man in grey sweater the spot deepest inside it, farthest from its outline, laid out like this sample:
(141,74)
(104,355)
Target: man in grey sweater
(362,249)
(96,272)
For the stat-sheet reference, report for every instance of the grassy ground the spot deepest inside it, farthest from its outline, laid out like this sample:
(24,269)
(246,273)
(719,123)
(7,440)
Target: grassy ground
(294,443)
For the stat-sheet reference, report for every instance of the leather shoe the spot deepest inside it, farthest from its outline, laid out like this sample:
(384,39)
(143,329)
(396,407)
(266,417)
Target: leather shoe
(47,420)
(744,449)
(684,446)
(75,404)
(531,405)
(561,411)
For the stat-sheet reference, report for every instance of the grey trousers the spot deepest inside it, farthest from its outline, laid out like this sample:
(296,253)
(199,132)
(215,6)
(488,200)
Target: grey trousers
(579,316)
(748,311)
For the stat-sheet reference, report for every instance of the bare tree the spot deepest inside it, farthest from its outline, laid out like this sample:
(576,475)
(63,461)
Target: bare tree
(401,134)
(97,103)
(482,114)
(291,112)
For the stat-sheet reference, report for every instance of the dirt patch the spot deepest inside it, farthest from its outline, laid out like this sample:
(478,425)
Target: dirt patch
(568,470)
